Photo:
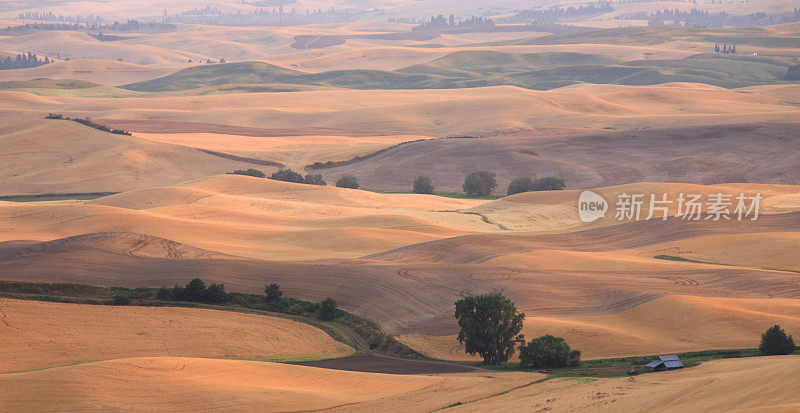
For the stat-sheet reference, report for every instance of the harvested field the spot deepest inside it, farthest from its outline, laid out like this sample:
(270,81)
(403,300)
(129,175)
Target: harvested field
(760,153)
(719,385)
(57,334)
(181,384)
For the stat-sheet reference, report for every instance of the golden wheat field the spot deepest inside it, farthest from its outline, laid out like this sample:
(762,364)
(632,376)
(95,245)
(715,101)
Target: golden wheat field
(276,205)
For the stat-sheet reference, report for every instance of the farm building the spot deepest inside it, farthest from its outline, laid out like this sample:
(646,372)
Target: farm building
(668,362)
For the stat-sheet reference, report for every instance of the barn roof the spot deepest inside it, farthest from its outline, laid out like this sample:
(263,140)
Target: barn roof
(669,357)
(673,364)
(654,363)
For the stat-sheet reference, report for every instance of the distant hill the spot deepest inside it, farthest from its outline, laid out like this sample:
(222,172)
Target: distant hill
(700,155)
(479,68)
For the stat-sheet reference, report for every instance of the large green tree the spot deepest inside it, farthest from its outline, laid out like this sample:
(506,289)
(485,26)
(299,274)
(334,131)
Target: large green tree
(423,185)
(490,326)
(774,342)
(480,183)
(520,184)
(548,351)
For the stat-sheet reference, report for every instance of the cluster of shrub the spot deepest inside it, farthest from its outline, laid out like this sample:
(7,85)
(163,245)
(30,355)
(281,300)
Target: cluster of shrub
(88,122)
(23,61)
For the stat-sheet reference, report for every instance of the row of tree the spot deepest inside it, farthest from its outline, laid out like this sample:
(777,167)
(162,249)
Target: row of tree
(23,61)
(443,23)
(274,15)
(479,183)
(704,18)
(556,15)
(483,183)
(49,16)
(288,175)
(725,48)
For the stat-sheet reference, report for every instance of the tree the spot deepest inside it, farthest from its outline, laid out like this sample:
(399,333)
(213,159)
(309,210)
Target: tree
(273,292)
(490,326)
(480,183)
(774,341)
(793,73)
(548,183)
(215,293)
(121,299)
(250,172)
(193,291)
(423,185)
(548,351)
(164,294)
(287,175)
(347,181)
(315,179)
(520,184)
(327,309)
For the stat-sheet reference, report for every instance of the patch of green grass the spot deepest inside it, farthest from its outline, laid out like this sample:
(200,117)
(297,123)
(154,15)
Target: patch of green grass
(674,258)
(620,366)
(55,197)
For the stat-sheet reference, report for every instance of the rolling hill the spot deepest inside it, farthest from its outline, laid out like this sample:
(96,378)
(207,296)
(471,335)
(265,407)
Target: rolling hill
(59,156)
(58,334)
(705,155)
(401,260)
(469,69)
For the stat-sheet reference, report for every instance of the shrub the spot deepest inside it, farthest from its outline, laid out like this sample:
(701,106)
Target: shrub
(548,351)
(347,181)
(423,185)
(272,292)
(490,326)
(480,183)
(215,293)
(774,342)
(327,309)
(314,179)
(164,294)
(120,299)
(250,172)
(520,184)
(548,183)
(793,73)
(194,290)
(287,175)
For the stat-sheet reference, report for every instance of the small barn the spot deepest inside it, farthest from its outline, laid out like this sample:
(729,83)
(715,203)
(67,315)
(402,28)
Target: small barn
(668,362)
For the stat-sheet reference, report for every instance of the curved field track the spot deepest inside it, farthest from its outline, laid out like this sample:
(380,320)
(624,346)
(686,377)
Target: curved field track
(475,249)
(37,335)
(193,384)
(764,153)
